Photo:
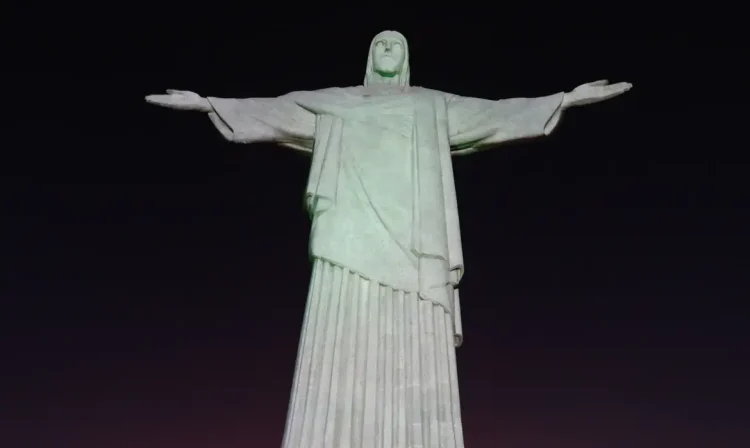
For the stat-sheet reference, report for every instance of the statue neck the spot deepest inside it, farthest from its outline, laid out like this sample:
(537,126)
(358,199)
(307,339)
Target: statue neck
(377,78)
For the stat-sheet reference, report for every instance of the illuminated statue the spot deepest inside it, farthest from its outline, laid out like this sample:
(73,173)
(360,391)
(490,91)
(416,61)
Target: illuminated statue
(376,365)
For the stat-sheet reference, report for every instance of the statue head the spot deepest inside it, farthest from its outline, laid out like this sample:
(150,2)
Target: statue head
(388,61)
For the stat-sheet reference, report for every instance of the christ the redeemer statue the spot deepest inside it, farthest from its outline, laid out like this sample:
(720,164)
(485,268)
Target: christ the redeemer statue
(376,365)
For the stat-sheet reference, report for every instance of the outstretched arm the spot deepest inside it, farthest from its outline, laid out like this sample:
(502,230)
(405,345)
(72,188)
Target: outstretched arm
(476,124)
(249,120)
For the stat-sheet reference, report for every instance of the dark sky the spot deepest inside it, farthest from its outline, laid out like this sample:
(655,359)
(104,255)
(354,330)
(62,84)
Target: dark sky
(153,275)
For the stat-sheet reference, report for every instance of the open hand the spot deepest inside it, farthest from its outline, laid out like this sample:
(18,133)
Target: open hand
(180,99)
(594,92)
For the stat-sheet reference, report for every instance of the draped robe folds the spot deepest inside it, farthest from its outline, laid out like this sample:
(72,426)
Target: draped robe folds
(381,192)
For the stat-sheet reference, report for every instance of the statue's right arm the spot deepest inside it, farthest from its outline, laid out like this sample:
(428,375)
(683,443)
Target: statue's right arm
(249,120)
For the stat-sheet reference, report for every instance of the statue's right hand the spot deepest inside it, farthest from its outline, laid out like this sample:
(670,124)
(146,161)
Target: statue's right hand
(180,99)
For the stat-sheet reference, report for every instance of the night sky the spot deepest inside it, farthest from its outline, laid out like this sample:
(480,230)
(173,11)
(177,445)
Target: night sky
(153,275)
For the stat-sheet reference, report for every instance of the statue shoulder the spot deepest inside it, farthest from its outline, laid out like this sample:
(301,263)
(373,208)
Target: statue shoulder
(348,91)
(329,93)
(425,90)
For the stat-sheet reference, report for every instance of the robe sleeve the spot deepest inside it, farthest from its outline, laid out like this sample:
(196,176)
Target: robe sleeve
(475,123)
(252,120)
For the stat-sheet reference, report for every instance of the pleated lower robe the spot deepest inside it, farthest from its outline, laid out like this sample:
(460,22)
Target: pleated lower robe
(376,368)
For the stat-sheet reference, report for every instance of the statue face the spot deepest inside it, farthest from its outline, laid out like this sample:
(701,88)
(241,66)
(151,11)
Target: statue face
(388,56)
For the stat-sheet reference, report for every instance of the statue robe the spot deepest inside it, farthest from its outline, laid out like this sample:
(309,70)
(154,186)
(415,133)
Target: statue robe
(381,192)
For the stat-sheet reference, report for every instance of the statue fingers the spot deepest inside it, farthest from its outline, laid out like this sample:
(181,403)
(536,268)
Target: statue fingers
(183,93)
(590,87)
(624,86)
(610,94)
(158,99)
(601,82)
(170,101)
(619,88)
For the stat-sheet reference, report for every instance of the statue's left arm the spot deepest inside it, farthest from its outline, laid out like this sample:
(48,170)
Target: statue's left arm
(475,124)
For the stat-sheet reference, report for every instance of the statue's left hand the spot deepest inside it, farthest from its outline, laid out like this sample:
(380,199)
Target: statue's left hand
(182,100)
(594,92)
